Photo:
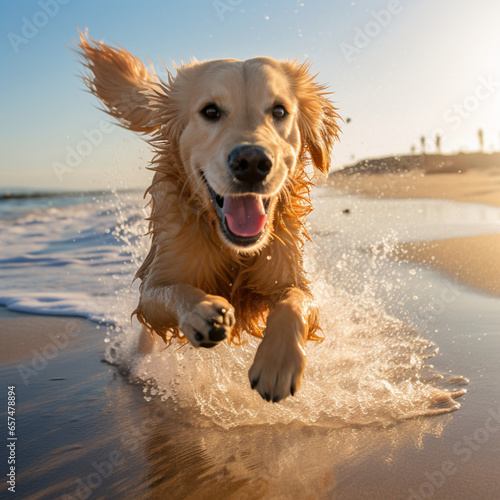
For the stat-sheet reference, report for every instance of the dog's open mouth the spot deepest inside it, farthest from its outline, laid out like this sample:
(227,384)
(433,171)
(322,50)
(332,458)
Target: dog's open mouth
(242,217)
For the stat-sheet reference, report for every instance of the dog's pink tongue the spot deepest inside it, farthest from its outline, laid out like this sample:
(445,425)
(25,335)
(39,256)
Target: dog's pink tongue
(245,215)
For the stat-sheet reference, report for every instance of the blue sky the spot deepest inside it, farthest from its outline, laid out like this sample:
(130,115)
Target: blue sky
(399,69)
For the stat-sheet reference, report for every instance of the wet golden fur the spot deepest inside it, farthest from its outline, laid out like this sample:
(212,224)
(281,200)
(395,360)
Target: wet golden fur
(186,243)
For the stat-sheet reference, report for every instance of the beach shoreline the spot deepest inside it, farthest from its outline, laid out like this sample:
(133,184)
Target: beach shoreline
(470,260)
(469,178)
(86,430)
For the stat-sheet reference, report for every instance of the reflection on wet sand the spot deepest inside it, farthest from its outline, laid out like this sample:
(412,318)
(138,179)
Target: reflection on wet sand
(185,460)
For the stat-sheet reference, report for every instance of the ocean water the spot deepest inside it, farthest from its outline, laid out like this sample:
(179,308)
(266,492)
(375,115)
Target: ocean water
(78,255)
(72,256)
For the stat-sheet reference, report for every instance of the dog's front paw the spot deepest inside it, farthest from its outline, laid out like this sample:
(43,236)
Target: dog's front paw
(209,322)
(278,368)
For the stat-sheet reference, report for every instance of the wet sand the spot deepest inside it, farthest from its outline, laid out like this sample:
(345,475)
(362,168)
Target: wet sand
(474,261)
(84,431)
(21,338)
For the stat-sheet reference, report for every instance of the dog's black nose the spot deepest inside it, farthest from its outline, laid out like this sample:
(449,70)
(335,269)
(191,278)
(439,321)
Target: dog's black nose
(249,164)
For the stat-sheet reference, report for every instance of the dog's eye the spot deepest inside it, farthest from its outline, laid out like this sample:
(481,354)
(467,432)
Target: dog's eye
(279,112)
(211,112)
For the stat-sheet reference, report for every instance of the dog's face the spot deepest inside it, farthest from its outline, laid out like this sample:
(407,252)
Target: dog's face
(239,138)
(239,129)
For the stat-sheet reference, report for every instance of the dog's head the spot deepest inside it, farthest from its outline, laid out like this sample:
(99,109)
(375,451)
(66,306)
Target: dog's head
(240,129)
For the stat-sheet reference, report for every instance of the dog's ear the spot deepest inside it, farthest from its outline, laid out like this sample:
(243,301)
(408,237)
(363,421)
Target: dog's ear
(317,115)
(122,82)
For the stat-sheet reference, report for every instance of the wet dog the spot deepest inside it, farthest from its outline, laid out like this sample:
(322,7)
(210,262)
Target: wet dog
(236,146)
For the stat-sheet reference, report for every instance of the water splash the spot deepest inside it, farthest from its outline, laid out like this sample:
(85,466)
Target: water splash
(371,369)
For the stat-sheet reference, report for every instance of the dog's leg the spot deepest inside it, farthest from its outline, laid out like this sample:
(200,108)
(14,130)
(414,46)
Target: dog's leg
(149,342)
(204,319)
(280,359)
(146,343)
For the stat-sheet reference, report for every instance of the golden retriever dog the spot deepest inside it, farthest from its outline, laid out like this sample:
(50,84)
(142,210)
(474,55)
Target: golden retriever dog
(236,146)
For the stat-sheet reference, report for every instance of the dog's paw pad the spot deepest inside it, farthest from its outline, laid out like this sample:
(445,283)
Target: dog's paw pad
(209,322)
(217,333)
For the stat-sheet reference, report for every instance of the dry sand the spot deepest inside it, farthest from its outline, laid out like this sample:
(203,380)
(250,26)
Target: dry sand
(472,186)
(473,261)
